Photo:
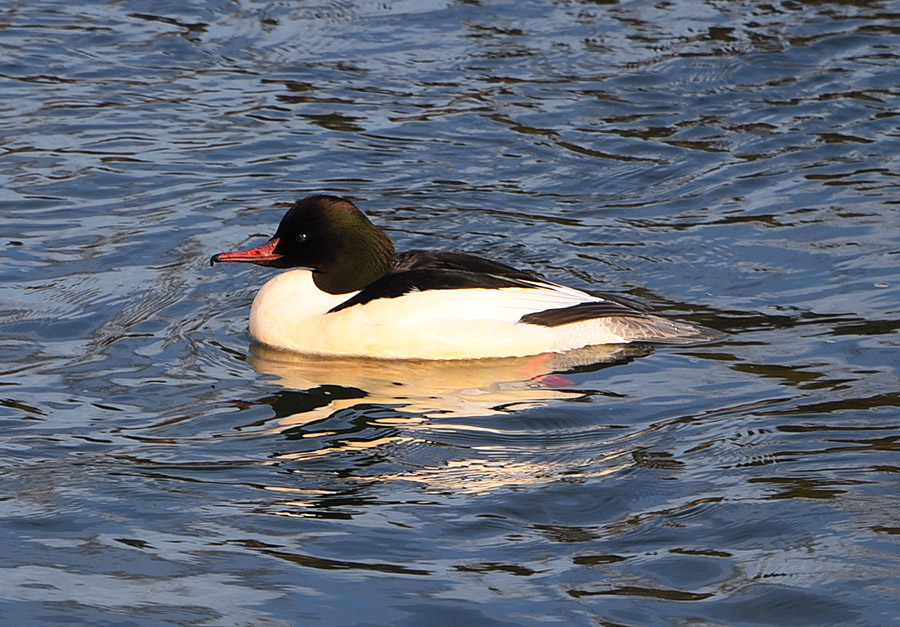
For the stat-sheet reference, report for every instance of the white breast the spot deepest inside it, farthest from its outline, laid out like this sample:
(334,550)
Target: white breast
(286,304)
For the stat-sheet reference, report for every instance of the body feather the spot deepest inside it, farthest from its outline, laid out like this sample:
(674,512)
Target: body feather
(458,323)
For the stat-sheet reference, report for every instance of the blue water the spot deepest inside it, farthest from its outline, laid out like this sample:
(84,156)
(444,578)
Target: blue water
(736,165)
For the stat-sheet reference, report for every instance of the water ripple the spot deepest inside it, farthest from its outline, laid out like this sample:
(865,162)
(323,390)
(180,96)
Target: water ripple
(732,165)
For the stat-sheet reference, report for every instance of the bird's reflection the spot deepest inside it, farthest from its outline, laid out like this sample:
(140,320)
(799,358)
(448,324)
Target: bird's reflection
(480,387)
(376,421)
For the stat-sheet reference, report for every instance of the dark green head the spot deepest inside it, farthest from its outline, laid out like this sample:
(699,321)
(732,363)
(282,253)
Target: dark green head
(331,237)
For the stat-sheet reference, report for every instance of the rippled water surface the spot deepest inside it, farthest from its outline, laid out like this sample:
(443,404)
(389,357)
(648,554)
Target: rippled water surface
(733,164)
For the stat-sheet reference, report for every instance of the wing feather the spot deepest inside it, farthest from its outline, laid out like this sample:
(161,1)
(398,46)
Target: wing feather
(511,296)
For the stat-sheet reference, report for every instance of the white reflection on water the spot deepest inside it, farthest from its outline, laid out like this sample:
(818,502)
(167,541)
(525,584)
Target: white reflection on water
(480,387)
(428,401)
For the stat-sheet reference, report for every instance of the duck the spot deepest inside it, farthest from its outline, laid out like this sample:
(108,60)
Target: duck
(346,292)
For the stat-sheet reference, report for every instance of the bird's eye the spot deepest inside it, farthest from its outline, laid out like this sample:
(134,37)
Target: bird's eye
(301,238)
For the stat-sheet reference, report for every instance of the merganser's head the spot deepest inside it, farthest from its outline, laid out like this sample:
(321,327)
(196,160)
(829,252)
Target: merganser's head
(331,237)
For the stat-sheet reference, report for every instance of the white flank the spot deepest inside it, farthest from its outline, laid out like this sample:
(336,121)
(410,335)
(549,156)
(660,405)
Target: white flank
(291,313)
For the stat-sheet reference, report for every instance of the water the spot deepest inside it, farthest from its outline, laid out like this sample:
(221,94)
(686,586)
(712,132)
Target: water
(734,165)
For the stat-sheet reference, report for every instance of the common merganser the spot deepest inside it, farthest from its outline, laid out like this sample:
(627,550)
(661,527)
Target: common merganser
(350,294)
